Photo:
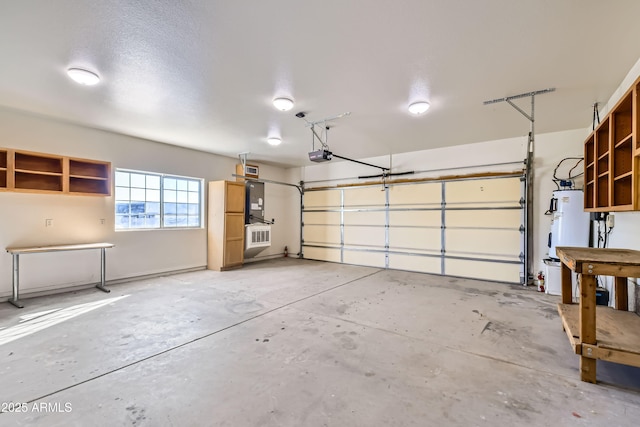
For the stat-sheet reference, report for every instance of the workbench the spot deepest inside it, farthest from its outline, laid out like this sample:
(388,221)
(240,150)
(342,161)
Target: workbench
(611,334)
(16,252)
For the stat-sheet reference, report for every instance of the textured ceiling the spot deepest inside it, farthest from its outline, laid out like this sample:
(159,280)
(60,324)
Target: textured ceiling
(202,73)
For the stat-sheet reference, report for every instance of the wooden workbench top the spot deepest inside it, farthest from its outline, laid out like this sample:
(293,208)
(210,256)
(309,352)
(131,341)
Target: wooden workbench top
(600,261)
(608,255)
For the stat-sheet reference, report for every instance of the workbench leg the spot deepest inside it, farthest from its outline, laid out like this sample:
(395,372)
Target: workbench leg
(567,294)
(622,299)
(103,271)
(16,282)
(587,323)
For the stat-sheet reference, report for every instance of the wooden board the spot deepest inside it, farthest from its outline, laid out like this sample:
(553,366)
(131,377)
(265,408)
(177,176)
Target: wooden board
(615,329)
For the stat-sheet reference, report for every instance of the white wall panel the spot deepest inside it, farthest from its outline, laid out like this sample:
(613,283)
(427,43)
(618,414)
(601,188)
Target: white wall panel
(494,242)
(415,238)
(371,259)
(482,191)
(321,218)
(322,198)
(421,264)
(364,218)
(419,218)
(329,234)
(483,270)
(322,254)
(364,236)
(488,218)
(364,196)
(412,194)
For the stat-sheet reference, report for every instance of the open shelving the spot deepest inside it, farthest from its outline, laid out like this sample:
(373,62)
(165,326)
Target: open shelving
(89,177)
(3,169)
(612,155)
(48,173)
(37,172)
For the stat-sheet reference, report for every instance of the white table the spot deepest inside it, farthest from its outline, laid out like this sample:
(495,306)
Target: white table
(16,252)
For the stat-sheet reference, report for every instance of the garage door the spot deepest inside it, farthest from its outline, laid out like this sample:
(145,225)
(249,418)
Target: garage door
(466,227)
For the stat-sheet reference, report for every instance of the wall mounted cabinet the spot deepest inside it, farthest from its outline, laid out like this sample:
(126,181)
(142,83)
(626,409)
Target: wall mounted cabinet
(612,158)
(3,169)
(26,171)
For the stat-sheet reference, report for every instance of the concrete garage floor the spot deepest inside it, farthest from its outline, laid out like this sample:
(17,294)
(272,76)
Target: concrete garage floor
(292,342)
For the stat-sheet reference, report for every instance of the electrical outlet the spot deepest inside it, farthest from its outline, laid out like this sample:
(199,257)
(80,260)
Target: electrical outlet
(610,221)
(48,222)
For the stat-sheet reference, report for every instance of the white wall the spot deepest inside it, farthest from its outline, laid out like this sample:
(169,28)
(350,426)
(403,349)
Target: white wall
(77,219)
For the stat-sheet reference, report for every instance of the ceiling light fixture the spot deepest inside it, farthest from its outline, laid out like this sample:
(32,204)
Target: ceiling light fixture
(83,77)
(419,107)
(274,141)
(283,104)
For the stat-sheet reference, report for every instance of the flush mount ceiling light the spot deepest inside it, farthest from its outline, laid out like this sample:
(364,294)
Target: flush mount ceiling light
(274,140)
(83,77)
(283,104)
(419,107)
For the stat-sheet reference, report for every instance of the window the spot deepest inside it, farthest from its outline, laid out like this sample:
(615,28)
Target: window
(150,200)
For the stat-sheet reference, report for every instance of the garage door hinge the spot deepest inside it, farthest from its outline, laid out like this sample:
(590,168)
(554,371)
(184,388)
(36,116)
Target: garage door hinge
(521,228)
(521,256)
(522,202)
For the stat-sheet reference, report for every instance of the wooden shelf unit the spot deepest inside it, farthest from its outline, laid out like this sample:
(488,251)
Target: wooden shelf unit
(39,172)
(89,177)
(612,158)
(3,169)
(26,171)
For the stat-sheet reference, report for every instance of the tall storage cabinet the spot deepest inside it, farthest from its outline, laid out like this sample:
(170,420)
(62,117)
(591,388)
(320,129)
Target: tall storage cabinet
(225,234)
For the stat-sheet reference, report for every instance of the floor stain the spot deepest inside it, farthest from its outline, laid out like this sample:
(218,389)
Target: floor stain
(348,343)
(246,307)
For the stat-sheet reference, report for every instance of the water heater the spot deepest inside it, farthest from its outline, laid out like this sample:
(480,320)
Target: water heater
(570,224)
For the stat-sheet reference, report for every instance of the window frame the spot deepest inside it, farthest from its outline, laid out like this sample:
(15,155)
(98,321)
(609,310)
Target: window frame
(162,177)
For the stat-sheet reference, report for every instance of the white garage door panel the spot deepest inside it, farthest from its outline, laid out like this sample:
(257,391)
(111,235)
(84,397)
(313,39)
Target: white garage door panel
(504,190)
(483,270)
(364,196)
(421,218)
(416,238)
(503,242)
(322,254)
(421,264)
(411,194)
(371,259)
(322,218)
(327,198)
(322,234)
(481,219)
(364,218)
(367,236)
(488,218)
